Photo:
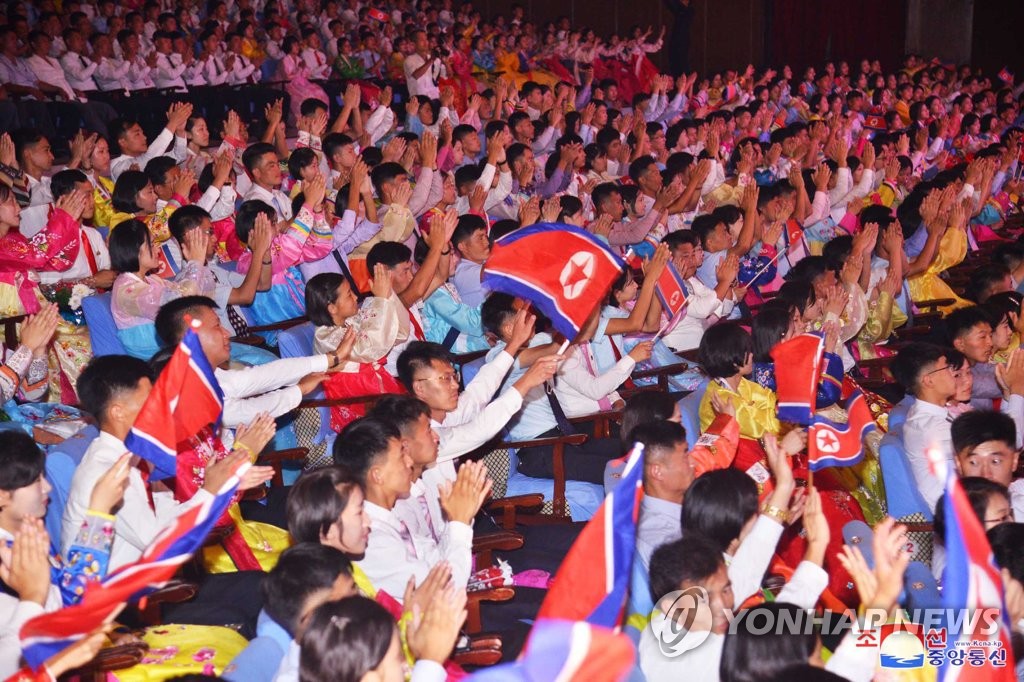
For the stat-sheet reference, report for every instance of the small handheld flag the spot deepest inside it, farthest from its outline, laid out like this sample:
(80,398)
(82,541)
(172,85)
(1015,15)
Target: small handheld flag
(564,271)
(379,15)
(798,364)
(830,444)
(184,399)
(671,290)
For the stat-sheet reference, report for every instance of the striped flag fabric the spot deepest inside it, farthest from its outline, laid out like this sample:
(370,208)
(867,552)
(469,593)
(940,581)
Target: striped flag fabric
(592,583)
(562,650)
(798,365)
(830,444)
(50,633)
(185,398)
(971,581)
(564,271)
(671,290)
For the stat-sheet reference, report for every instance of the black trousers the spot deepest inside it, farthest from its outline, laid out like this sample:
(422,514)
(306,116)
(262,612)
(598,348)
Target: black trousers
(582,462)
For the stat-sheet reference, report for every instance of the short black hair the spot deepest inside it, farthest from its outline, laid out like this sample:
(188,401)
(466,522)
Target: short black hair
(718,504)
(979,492)
(402,410)
(124,243)
(362,443)
(170,320)
(386,172)
(321,291)
(723,349)
(300,571)
(391,254)
(468,224)
(703,226)
(1007,540)
(603,191)
(21,460)
(496,310)
(334,142)
(767,329)
(63,182)
(316,501)
(126,188)
(644,407)
(659,438)
(418,355)
(158,167)
(690,559)
(299,159)
(960,322)
(254,152)
(974,427)
(245,218)
(107,376)
(186,219)
(911,360)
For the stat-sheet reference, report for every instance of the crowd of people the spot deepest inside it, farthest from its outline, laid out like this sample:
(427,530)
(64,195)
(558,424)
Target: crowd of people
(345,167)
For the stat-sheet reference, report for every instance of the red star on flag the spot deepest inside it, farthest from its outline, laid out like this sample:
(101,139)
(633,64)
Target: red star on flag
(576,274)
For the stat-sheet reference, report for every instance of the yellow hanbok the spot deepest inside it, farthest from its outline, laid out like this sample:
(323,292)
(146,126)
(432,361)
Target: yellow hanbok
(928,285)
(755,408)
(182,649)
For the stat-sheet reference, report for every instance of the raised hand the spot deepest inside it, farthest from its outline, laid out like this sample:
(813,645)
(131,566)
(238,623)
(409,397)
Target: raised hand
(433,632)
(314,190)
(186,180)
(462,499)
(109,489)
(73,203)
(25,564)
(38,329)
(477,199)
(380,285)
(437,580)
(196,246)
(254,436)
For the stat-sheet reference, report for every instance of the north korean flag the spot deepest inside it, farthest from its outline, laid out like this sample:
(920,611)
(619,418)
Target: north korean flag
(671,290)
(830,444)
(563,270)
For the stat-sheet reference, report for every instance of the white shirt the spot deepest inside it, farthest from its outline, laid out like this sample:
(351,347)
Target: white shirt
(422,671)
(477,418)
(48,70)
(427,83)
(79,70)
(169,73)
(136,523)
(112,74)
(271,388)
(396,551)
(158,147)
(927,426)
(276,199)
(703,308)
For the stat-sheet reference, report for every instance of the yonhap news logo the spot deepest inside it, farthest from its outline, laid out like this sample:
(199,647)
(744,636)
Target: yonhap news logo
(686,623)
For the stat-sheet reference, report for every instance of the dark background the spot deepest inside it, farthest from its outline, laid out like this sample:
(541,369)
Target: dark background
(733,33)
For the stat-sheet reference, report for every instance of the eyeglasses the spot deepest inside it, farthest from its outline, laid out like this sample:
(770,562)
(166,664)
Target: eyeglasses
(952,371)
(450,378)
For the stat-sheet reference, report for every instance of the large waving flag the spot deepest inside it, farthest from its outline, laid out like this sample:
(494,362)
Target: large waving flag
(185,398)
(562,650)
(840,445)
(798,365)
(50,633)
(563,270)
(971,581)
(671,290)
(592,582)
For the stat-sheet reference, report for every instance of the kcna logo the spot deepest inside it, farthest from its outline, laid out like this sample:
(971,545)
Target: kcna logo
(687,622)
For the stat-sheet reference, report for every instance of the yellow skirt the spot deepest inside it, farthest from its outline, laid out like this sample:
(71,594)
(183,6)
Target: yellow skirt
(182,649)
(266,542)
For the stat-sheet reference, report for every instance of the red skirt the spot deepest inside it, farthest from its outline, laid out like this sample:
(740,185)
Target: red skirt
(371,379)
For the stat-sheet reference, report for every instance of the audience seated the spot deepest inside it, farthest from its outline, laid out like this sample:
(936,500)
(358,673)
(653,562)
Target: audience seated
(241,168)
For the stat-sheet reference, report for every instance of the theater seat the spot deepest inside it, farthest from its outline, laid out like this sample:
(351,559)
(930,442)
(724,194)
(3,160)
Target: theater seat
(312,426)
(689,410)
(102,330)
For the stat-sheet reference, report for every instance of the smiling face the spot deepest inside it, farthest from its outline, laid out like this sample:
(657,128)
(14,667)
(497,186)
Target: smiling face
(26,502)
(351,531)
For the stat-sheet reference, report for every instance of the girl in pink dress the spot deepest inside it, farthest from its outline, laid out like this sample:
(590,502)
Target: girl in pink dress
(294,72)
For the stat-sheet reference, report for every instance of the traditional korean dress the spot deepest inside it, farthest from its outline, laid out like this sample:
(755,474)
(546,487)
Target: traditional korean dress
(378,326)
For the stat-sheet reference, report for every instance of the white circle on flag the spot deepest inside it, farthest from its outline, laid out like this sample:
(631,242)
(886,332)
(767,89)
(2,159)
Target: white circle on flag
(826,442)
(576,274)
(674,301)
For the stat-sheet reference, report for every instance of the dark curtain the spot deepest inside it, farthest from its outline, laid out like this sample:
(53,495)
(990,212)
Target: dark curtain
(809,32)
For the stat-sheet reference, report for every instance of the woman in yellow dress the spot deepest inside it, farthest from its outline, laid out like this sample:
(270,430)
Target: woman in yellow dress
(951,252)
